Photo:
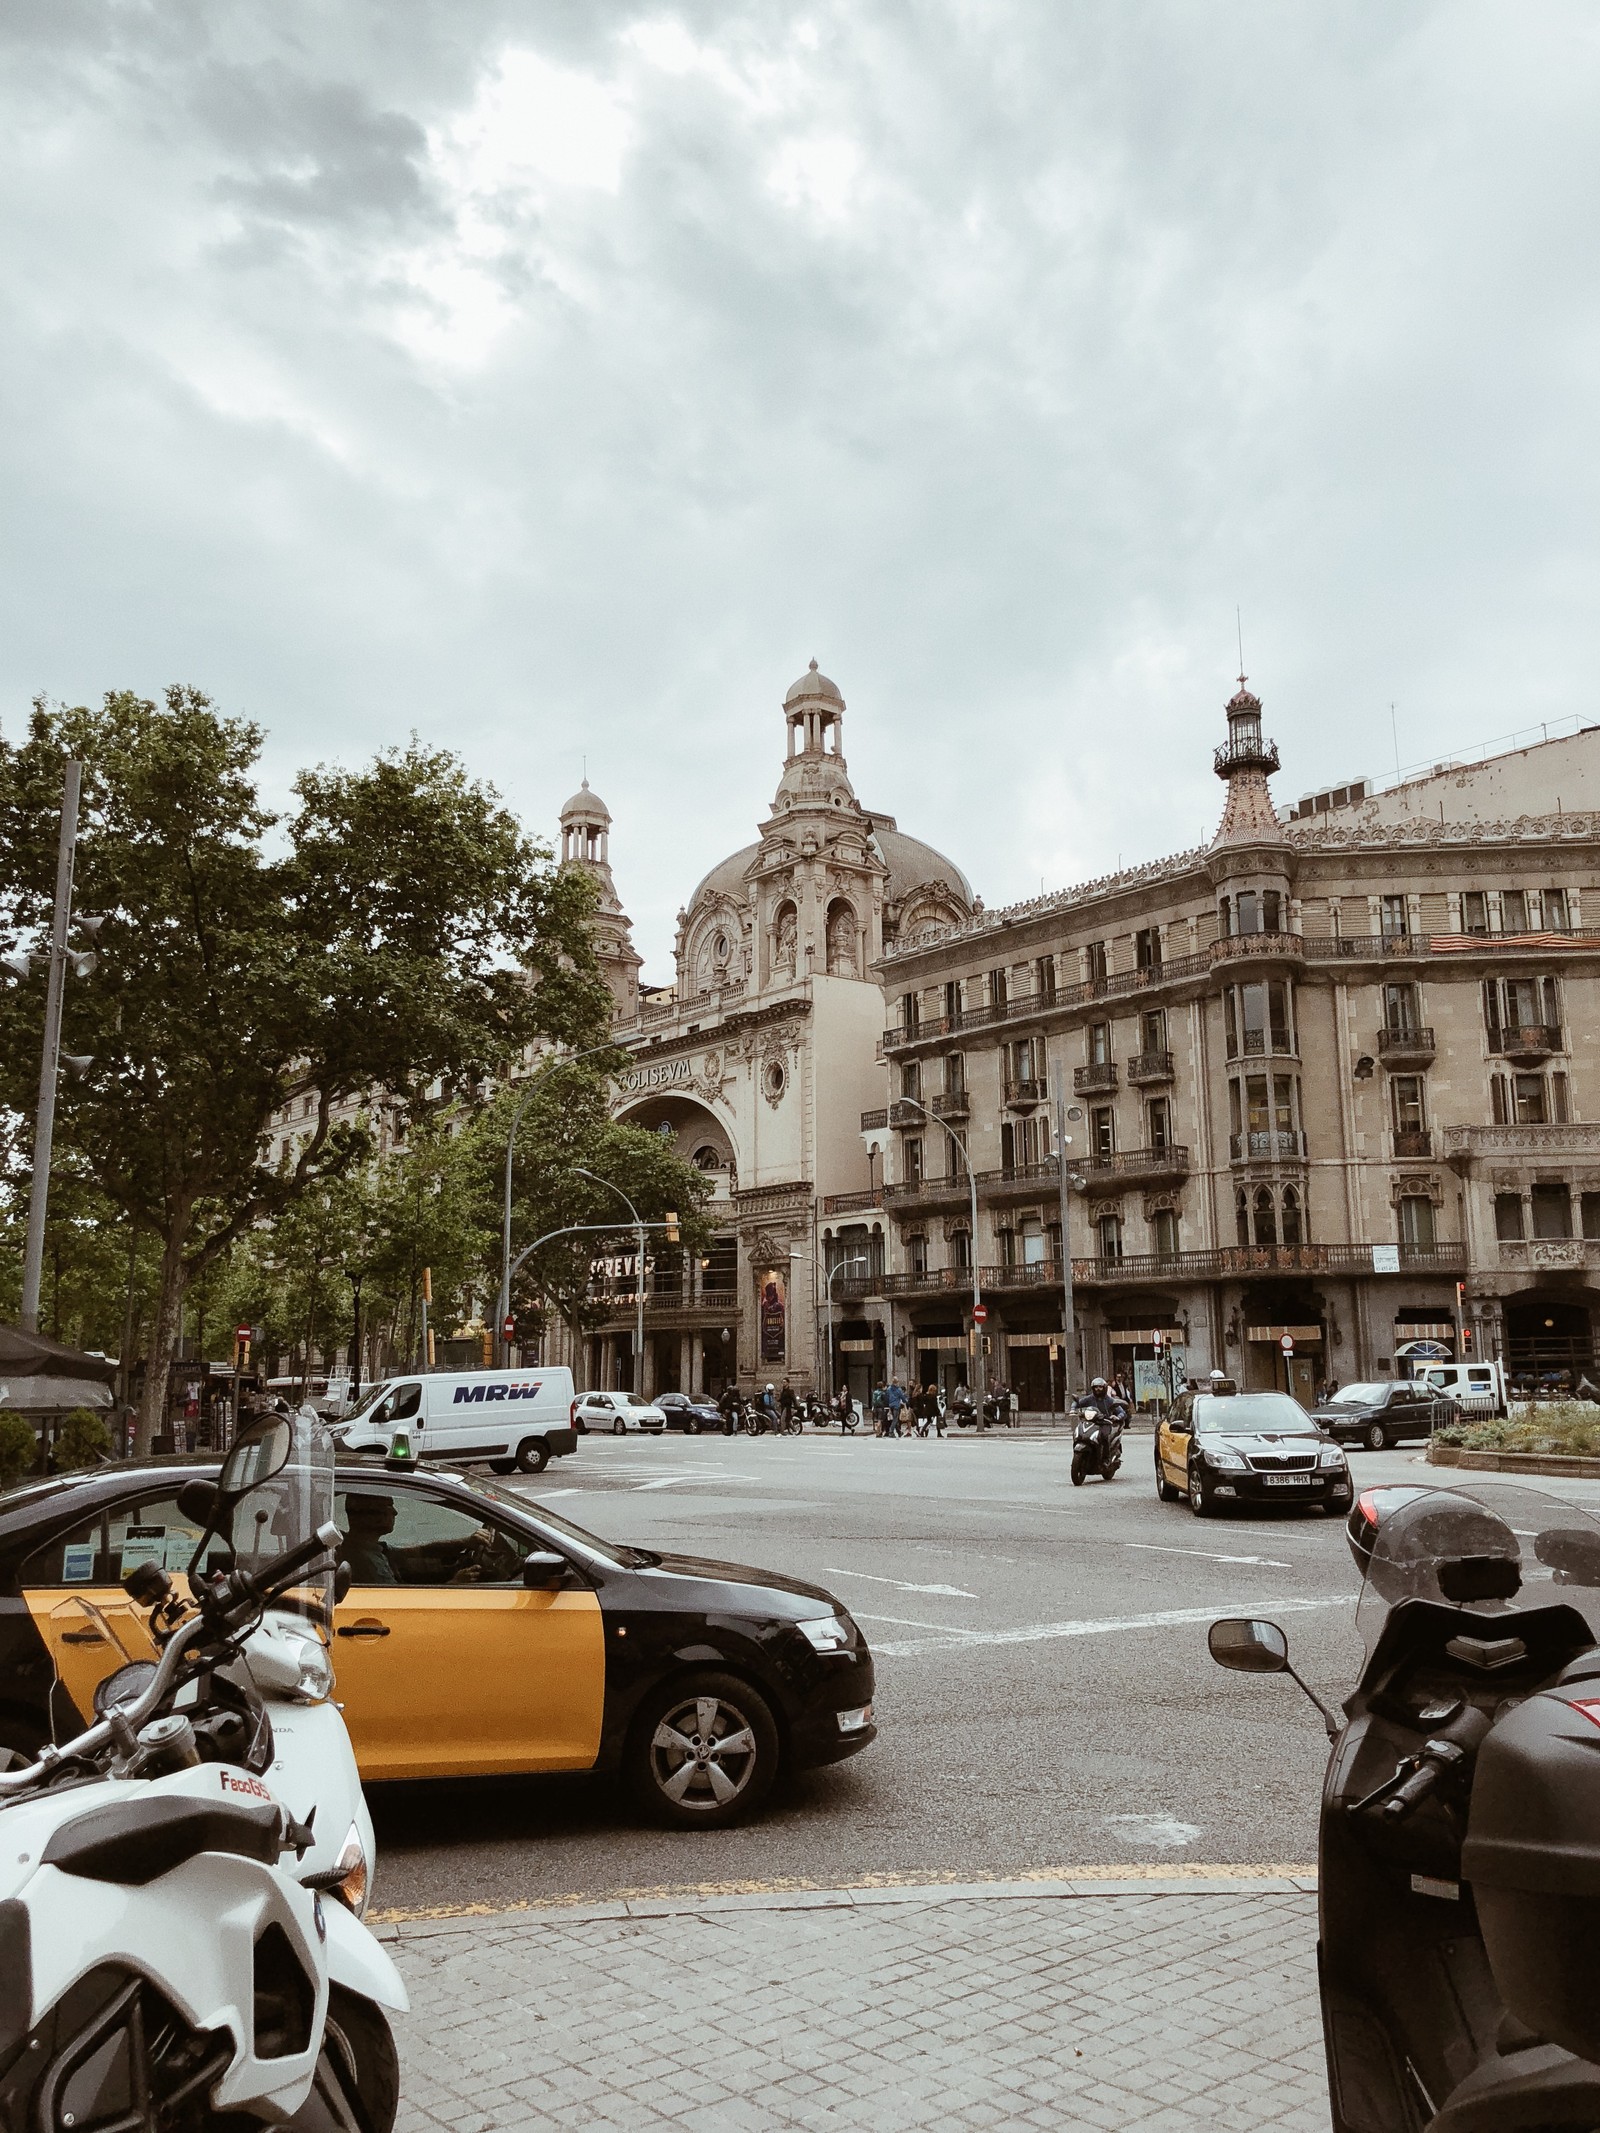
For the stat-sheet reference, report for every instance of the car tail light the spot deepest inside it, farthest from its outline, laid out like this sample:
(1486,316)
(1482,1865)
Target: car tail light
(1367,1505)
(572,1415)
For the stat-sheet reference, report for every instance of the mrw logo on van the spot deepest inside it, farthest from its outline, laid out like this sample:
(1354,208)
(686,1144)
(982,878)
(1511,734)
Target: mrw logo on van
(476,1395)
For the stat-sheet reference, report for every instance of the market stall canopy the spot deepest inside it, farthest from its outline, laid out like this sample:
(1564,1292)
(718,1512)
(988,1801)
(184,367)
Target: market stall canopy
(41,1377)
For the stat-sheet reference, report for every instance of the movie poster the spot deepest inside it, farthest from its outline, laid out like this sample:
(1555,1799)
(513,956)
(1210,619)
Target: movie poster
(772,1316)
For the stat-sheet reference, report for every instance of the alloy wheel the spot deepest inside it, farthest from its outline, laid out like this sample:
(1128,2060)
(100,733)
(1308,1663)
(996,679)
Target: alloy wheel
(703,1753)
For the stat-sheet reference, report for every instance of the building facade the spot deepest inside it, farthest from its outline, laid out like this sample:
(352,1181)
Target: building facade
(757,1062)
(1311,1076)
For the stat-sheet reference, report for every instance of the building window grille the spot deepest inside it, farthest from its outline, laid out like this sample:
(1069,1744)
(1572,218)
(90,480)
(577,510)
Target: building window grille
(1552,1211)
(1508,1225)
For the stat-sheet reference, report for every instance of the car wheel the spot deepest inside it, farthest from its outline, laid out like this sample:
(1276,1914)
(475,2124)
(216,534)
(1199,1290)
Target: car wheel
(533,1455)
(1168,1491)
(618,1427)
(1377,1437)
(1199,1501)
(703,1751)
(693,1425)
(502,1466)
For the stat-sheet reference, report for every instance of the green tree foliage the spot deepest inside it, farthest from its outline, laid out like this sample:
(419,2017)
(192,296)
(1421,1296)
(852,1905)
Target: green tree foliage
(82,1440)
(394,931)
(19,1449)
(566,1124)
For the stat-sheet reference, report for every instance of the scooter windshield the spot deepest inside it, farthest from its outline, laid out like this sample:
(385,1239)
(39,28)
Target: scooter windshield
(255,1529)
(1495,1549)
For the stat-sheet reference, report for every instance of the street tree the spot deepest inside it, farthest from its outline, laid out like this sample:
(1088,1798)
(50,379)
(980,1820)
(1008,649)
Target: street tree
(394,932)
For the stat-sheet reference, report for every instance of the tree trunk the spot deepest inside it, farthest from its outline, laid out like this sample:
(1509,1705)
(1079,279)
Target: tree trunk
(163,1337)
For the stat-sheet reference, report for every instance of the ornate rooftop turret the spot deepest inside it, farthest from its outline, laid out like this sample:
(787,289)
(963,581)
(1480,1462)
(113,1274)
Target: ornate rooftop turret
(1245,761)
(586,844)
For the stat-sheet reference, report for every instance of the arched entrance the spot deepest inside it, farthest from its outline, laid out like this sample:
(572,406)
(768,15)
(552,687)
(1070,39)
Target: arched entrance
(1549,1332)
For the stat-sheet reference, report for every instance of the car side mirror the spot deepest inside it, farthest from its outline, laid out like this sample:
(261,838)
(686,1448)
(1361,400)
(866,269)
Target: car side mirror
(1571,1553)
(1248,1647)
(543,1568)
(1181,1425)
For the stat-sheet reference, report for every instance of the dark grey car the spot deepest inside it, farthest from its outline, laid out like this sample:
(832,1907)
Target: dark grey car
(1384,1411)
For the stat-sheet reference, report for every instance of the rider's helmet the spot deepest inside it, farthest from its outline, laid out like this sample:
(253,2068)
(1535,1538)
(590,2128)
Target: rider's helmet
(1097,1385)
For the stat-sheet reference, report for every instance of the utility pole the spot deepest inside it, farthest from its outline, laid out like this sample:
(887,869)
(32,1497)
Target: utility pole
(50,1065)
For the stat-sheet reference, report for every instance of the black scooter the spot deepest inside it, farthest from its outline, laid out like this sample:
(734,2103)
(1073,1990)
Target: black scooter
(1459,1856)
(1096,1444)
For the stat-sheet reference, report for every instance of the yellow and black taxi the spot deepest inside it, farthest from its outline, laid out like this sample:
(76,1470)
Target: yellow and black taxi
(1225,1450)
(481,1634)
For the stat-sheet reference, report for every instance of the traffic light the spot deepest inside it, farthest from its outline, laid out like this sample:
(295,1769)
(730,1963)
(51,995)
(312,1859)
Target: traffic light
(671,1220)
(1466,1340)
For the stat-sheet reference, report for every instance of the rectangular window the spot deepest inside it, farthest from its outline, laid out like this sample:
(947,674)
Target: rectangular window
(1235,1109)
(952,1001)
(1097,962)
(911,1078)
(1555,911)
(1164,1233)
(913,1161)
(1508,1217)
(1416,1220)
(1147,948)
(1474,911)
(1499,1099)
(1247,911)
(1103,1130)
(1407,1092)
(1255,1090)
(1400,1015)
(1099,1043)
(1230,1012)
(961,1250)
(1044,977)
(1552,1211)
(956,1142)
(1591,1214)
(1513,911)
(955,1073)
(910,1014)
(1283,1105)
(1558,1098)
(997,989)
(1160,1123)
(917,1252)
(1394,918)
(1153,1029)
(1032,1241)
(1527,1099)
(1110,1230)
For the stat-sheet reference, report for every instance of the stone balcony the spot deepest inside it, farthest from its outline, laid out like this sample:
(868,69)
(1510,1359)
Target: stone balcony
(1462,1146)
(1100,1079)
(1148,1070)
(1406,1050)
(1136,1166)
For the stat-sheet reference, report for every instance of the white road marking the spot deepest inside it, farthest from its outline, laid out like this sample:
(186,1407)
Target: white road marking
(668,1481)
(545,1495)
(1050,1632)
(945,1629)
(1151,1548)
(954,1592)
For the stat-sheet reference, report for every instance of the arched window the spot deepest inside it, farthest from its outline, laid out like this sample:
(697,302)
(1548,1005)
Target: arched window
(1266,1217)
(1241,1216)
(1291,1216)
(707,1158)
(961,1249)
(1110,1229)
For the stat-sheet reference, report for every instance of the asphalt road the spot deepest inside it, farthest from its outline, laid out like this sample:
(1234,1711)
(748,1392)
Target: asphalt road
(1045,1697)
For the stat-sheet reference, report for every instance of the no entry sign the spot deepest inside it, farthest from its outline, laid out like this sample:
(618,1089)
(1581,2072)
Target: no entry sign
(980,1314)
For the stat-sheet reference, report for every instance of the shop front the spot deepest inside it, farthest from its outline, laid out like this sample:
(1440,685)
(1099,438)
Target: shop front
(1152,1361)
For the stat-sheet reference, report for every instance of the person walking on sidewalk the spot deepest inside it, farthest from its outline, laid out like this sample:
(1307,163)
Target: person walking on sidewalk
(786,1404)
(894,1401)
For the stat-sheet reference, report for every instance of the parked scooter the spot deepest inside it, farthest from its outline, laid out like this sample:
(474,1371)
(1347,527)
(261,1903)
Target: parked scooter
(1096,1443)
(1459,1877)
(174,1955)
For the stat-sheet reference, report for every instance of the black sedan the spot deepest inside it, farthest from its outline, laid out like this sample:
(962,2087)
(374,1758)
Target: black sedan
(481,1635)
(690,1414)
(1224,1450)
(1385,1411)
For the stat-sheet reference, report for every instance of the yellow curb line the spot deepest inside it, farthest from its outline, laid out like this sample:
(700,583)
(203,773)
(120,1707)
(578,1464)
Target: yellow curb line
(1141,1870)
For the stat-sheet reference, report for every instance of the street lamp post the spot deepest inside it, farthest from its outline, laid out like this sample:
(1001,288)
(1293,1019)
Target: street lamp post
(355,1342)
(638,1274)
(560,1059)
(1069,1316)
(956,1142)
(842,1267)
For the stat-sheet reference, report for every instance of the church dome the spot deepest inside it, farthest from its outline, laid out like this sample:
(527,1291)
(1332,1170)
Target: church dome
(586,806)
(811,683)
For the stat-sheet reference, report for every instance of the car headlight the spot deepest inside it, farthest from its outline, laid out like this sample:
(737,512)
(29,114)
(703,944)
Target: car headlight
(1330,1455)
(1229,1462)
(828,1633)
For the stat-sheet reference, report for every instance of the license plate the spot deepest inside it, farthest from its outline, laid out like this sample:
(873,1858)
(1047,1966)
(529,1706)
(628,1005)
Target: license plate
(1287,1481)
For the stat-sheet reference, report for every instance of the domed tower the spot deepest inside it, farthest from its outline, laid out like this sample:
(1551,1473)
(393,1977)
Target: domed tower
(1250,854)
(586,843)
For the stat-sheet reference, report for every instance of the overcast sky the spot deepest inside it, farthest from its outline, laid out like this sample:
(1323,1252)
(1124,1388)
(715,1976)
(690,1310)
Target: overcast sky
(557,380)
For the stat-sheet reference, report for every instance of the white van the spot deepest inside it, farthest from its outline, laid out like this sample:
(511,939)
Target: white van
(511,1418)
(1479,1388)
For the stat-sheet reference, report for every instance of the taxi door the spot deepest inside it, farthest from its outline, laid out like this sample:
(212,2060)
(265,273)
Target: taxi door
(445,1663)
(72,1586)
(1172,1443)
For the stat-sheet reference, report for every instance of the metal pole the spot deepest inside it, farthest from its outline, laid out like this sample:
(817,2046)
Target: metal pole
(638,1278)
(49,1066)
(842,1267)
(972,1242)
(505,1225)
(1069,1330)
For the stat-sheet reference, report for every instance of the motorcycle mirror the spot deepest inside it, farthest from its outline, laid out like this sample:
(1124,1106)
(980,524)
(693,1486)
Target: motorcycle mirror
(543,1568)
(147,1584)
(1479,1577)
(258,1453)
(123,1686)
(1572,1554)
(197,1500)
(1248,1647)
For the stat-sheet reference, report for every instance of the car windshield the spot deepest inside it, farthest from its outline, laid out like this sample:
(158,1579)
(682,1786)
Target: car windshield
(1496,1549)
(1356,1396)
(369,1400)
(1215,1411)
(614,1553)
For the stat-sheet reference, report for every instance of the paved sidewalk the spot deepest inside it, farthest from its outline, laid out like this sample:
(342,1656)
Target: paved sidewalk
(1157,2004)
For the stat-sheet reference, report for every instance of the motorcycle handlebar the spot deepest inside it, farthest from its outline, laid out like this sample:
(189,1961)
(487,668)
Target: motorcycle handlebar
(240,1591)
(1414,1790)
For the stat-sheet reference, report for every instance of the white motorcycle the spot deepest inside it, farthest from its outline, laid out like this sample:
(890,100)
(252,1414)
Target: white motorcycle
(181,1948)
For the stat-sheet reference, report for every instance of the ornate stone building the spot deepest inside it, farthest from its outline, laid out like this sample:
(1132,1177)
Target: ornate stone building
(1314,1074)
(757,1061)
